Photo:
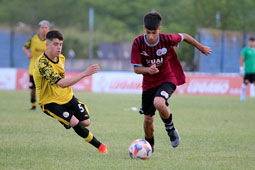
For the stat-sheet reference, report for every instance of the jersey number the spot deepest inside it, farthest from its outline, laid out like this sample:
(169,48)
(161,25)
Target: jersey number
(81,108)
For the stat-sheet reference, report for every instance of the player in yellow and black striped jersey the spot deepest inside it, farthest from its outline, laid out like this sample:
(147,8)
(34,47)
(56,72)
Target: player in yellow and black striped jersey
(54,91)
(37,46)
(46,74)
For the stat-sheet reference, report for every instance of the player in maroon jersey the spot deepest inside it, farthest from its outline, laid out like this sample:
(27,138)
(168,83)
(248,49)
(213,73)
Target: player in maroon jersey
(153,56)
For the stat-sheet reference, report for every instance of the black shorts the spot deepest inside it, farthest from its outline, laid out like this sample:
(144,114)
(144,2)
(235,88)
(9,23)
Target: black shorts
(164,90)
(63,113)
(31,82)
(249,78)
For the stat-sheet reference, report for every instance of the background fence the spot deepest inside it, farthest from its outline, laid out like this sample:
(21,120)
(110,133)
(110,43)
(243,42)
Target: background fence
(226,46)
(11,54)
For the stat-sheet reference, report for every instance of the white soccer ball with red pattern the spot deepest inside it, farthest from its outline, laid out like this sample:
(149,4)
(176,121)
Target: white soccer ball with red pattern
(140,149)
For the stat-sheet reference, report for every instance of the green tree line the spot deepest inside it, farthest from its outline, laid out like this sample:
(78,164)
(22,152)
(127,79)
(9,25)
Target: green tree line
(122,20)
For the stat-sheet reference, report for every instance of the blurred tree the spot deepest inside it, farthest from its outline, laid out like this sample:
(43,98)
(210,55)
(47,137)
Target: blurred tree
(122,20)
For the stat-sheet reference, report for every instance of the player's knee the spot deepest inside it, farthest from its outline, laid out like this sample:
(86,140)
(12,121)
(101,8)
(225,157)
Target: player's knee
(74,121)
(85,123)
(159,103)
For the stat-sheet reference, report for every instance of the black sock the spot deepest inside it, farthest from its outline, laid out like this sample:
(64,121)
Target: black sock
(86,134)
(150,140)
(32,98)
(169,123)
(33,101)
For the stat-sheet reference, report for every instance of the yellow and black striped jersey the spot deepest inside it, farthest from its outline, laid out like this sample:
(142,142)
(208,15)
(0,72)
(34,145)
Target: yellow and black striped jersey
(46,74)
(37,47)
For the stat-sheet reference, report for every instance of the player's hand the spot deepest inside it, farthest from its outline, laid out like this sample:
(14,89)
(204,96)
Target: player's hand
(242,71)
(206,50)
(29,55)
(92,69)
(153,69)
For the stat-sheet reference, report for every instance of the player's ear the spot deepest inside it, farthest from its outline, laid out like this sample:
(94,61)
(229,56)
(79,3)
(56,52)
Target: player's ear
(159,28)
(144,29)
(47,43)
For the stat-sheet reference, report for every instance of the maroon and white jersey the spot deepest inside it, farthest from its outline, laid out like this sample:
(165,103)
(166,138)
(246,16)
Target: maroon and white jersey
(161,54)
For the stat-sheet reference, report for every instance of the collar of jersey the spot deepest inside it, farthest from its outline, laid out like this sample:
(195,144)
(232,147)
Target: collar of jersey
(40,38)
(251,48)
(144,37)
(51,60)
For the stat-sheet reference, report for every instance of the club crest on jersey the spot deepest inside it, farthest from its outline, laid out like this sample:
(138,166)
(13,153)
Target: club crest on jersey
(165,94)
(161,52)
(144,53)
(66,114)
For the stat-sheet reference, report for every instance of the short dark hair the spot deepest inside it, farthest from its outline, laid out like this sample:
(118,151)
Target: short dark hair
(251,39)
(54,34)
(152,20)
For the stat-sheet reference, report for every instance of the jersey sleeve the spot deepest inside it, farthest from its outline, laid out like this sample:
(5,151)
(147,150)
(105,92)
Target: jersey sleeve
(243,52)
(175,39)
(47,71)
(135,54)
(28,43)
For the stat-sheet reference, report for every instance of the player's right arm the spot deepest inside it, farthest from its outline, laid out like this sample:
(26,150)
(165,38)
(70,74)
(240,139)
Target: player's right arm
(73,80)
(242,62)
(27,52)
(146,70)
(26,48)
(137,62)
(241,65)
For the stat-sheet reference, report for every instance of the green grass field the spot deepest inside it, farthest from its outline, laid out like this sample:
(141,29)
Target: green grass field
(216,133)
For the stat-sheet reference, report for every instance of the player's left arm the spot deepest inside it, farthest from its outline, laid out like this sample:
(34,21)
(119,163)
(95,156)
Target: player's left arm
(47,71)
(73,80)
(189,39)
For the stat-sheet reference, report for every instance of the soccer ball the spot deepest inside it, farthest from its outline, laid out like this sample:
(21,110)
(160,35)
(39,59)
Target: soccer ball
(140,149)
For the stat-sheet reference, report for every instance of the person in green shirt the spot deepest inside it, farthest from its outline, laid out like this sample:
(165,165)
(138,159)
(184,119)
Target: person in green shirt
(247,68)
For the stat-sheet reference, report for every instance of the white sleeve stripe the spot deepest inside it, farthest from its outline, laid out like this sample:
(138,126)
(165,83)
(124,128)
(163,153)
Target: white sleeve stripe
(181,36)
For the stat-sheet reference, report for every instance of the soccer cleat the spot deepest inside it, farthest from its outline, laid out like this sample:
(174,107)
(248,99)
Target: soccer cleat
(103,148)
(174,137)
(152,148)
(33,108)
(242,99)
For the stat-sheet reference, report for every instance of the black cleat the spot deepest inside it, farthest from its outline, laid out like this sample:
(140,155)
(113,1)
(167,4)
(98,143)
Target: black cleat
(152,148)
(33,108)
(174,137)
